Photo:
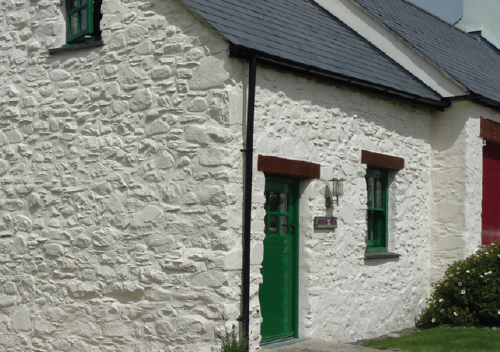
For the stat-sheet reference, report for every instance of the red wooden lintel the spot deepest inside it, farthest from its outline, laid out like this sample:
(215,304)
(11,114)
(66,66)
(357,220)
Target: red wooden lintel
(382,160)
(490,130)
(285,167)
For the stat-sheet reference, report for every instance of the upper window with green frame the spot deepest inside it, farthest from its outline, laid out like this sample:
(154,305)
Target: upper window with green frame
(377,217)
(83,20)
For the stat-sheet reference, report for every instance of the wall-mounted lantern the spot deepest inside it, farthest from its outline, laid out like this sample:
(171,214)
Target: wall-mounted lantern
(337,191)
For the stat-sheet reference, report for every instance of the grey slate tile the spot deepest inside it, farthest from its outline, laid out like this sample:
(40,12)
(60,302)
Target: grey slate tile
(302,32)
(469,61)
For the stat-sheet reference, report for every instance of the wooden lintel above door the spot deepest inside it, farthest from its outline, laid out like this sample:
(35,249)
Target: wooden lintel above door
(291,168)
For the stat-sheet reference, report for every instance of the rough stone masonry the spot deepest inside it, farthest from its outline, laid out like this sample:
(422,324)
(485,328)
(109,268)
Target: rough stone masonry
(118,182)
(121,187)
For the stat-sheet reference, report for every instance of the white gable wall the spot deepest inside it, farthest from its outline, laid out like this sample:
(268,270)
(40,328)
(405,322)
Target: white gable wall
(120,182)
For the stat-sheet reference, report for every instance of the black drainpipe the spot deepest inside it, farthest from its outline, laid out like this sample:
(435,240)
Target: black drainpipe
(245,299)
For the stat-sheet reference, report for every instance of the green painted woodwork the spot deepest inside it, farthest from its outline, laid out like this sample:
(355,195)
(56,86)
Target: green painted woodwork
(377,189)
(278,292)
(80,18)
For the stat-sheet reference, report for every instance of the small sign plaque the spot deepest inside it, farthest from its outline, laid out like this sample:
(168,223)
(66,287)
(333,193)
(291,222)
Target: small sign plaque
(325,222)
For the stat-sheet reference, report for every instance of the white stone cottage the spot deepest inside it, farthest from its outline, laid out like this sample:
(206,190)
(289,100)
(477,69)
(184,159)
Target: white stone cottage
(163,164)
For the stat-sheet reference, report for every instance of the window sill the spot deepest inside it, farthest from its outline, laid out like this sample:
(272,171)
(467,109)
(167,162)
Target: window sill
(380,255)
(69,47)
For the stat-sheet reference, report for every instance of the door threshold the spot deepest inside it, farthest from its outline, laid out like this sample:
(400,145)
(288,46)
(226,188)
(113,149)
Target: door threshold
(281,342)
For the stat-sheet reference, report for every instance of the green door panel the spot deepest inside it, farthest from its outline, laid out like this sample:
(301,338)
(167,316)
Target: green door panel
(277,293)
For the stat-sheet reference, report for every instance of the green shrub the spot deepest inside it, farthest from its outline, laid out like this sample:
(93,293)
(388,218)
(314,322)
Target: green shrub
(469,294)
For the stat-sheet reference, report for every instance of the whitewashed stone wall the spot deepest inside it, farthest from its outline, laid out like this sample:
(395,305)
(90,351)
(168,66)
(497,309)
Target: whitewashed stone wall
(120,182)
(121,188)
(457,171)
(343,296)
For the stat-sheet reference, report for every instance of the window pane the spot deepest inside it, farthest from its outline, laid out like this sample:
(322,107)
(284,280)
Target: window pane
(375,226)
(283,202)
(273,201)
(74,23)
(83,19)
(371,193)
(283,225)
(379,193)
(369,234)
(273,225)
(83,2)
(73,4)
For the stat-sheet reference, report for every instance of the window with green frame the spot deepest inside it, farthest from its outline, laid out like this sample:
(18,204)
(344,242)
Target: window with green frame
(377,187)
(83,19)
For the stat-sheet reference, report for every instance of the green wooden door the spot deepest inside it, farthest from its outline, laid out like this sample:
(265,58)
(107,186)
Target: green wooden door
(278,293)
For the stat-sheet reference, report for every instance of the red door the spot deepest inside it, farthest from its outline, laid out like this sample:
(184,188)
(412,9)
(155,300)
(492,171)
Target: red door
(491,194)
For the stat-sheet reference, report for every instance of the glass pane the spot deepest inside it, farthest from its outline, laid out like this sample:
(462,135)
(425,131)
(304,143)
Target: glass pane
(371,189)
(283,225)
(273,225)
(273,201)
(379,193)
(283,202)
(74,23)
(83,19)
(369,233)
(83,2)
(73,4)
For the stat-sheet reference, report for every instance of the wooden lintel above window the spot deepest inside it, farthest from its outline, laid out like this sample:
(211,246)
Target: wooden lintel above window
(490,130)
(382,160)
(285,167)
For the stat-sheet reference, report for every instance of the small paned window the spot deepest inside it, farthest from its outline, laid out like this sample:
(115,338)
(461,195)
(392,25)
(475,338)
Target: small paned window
(278,220)
(83,20)
(376,184)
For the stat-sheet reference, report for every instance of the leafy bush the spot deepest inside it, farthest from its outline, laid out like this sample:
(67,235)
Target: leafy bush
(230,341)
(469,294)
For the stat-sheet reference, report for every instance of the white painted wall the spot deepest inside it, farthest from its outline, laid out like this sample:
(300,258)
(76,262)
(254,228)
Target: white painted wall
(120,182)
(343,296)
(457,184)
(482,16)
(121,187)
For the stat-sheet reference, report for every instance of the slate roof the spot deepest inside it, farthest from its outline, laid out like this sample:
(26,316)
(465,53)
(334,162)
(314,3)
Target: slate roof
(302,32)
(466,59)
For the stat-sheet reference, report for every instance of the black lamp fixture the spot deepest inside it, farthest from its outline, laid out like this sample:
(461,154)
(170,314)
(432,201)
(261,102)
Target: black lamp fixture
(337,191)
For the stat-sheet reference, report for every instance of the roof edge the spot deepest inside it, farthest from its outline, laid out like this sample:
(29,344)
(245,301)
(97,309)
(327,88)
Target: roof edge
(240,51)
(445,73)
(478,98)
(201,19)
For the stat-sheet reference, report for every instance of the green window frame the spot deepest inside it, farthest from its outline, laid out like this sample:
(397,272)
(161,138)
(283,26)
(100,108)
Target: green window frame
(82,21)
(377,209)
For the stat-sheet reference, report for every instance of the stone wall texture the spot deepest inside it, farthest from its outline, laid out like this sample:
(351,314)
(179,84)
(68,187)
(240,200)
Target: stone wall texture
(342,295)
(120,182)
(121,188)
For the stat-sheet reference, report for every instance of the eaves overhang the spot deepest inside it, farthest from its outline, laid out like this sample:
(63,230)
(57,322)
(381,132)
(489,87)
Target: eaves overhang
(267,60)
(460,55)
(479,99)
(395,46)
